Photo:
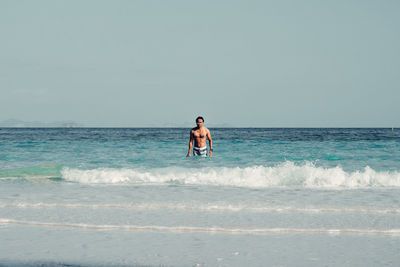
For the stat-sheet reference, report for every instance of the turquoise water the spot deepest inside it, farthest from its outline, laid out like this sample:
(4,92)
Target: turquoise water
(29,153)
(131,197)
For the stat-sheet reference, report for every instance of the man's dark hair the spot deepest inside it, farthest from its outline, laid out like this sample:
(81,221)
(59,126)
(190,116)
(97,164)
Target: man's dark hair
(199,117)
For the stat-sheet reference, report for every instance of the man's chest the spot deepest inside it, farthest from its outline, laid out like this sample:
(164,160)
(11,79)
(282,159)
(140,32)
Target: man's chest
(199,134)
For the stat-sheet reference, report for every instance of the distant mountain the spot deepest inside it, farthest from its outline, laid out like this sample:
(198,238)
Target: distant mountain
(13,123)
(20,123)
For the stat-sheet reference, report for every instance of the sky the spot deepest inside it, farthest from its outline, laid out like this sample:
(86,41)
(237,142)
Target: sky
(333,63)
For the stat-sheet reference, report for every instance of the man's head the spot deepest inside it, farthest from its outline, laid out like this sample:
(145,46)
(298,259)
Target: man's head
(199,121)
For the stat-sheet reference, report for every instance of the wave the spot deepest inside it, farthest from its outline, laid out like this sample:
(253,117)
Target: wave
(190,229)
(209,207)
(286,174)
(34,174)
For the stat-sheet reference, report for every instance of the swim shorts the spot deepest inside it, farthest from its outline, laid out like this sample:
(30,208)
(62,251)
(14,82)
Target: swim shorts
(200,151)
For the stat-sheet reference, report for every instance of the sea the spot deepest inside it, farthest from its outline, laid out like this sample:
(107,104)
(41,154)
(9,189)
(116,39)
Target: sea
(266,197)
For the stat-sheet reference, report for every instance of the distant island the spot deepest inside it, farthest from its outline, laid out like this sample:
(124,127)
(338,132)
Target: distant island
(14,123)
(21,124)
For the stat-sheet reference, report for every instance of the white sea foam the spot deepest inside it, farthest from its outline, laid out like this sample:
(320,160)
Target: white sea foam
(286,174)
(209,207)
(191,229)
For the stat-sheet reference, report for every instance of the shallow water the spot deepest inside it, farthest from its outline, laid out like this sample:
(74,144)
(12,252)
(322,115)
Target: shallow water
(267,197)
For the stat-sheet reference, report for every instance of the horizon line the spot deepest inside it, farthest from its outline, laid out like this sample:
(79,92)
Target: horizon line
(183,127)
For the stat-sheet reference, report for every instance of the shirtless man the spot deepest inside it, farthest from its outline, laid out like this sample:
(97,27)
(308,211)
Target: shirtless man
(199,134)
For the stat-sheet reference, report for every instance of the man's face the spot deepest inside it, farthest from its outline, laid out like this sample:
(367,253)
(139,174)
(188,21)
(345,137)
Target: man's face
(199,122)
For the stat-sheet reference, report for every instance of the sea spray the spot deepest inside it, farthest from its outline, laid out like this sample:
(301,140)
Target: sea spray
(286,174)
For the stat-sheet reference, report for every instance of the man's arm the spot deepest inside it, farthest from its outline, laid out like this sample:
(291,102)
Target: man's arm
(190,144)
(210,143)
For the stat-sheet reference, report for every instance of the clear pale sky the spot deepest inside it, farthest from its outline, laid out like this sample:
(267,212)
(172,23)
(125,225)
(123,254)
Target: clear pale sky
(237,63)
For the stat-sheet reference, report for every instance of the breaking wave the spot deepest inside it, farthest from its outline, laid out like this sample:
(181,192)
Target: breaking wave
(209,207)
(283,175)
(191,229)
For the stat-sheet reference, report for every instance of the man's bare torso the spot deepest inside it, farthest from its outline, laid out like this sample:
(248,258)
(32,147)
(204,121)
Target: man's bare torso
(200,136)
